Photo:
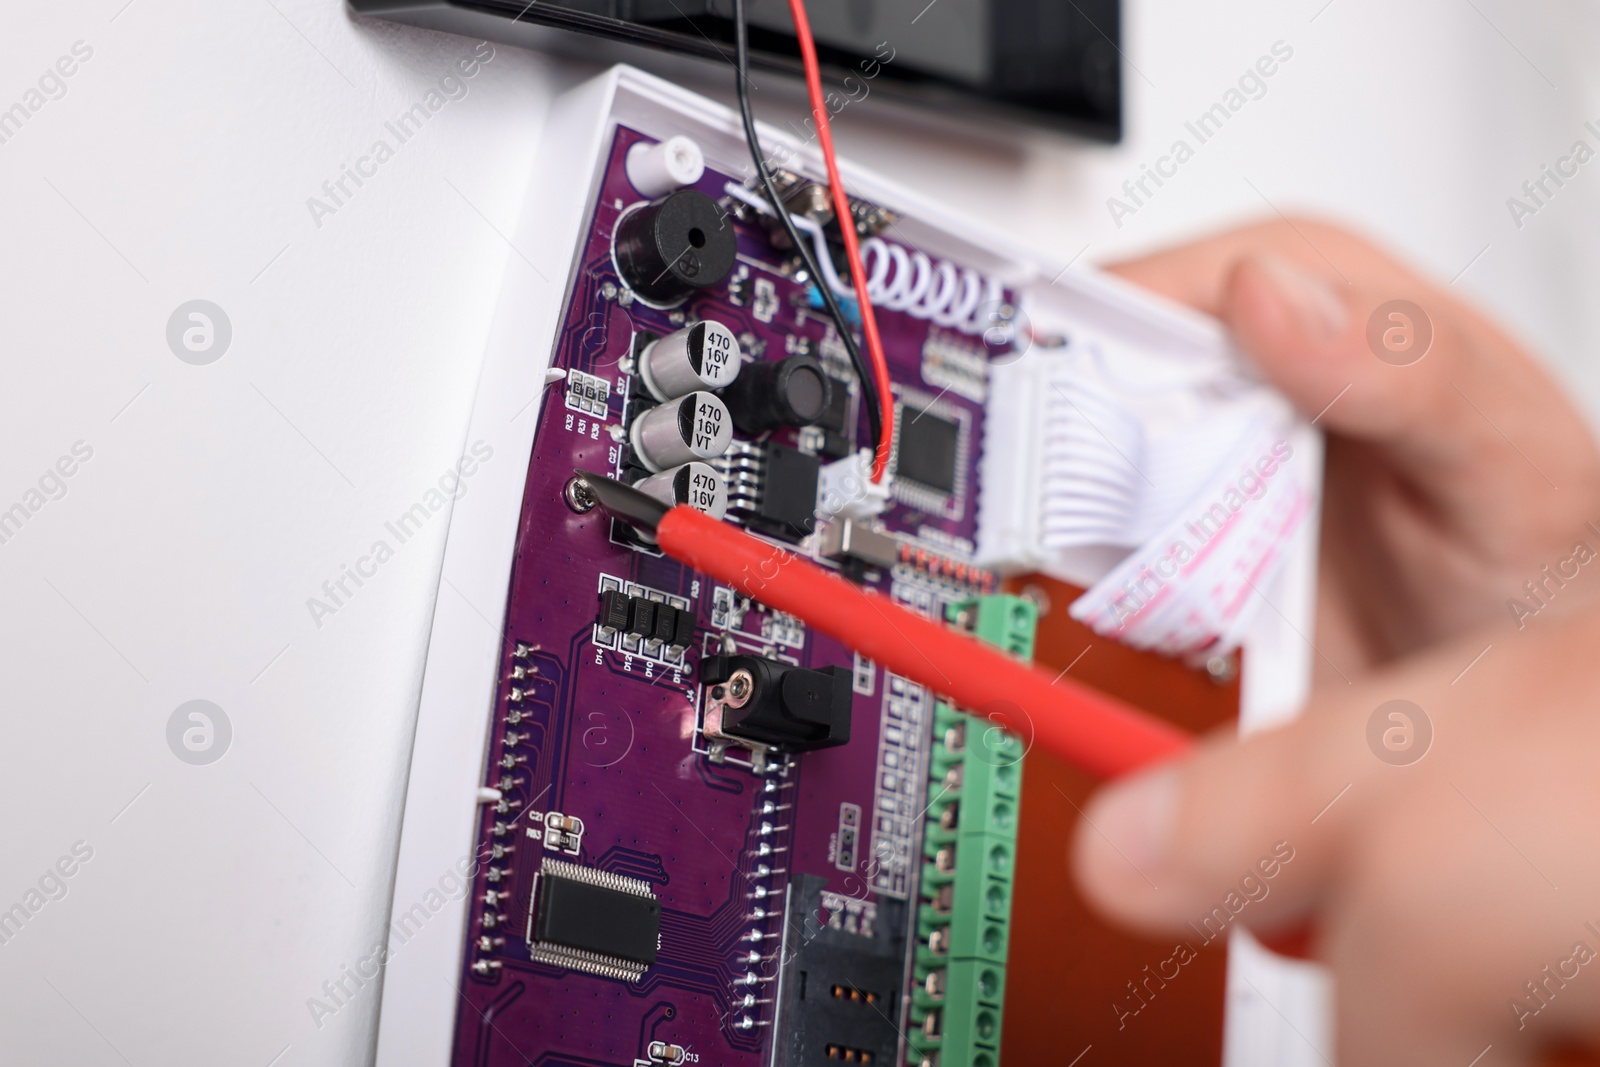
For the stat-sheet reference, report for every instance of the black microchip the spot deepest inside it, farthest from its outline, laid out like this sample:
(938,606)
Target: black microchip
(928,447)
(592,918)
(789,492)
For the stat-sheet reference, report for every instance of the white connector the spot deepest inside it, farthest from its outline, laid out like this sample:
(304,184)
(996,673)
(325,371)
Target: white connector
(1086,457)
(846,490)
(1061,462)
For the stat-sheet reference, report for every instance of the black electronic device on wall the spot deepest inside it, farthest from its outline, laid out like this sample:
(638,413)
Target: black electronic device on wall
(1049,62)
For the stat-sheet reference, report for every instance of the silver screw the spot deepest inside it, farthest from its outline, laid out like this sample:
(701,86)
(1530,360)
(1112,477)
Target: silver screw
(580,496)
(1223,669)
(740,687)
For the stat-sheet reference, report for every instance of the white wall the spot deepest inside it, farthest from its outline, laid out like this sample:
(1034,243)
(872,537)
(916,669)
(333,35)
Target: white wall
(219,498)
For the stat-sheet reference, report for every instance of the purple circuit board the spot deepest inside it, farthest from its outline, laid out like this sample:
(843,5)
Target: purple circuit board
(596,747)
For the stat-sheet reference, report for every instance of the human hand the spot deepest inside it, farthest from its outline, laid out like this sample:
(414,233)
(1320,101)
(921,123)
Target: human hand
(1450,481)
(1456,897)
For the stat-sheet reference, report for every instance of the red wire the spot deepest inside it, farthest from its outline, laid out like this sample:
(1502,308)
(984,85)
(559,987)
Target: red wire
(841,210)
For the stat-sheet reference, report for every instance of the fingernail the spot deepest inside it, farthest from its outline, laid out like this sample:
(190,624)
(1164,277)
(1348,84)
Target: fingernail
(1315,302)
(1137,817)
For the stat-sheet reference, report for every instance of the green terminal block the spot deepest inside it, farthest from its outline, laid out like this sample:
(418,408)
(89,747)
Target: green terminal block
(969,847)
(1005,621)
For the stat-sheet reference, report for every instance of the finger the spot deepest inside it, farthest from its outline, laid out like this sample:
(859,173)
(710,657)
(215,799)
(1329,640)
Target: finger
(1435,445)
(1182,847)
(1377,1025)
(1190,847)
(1411,988)
(1301,295)
(1255,830)
(1460,891)
(1449,399)
(1451,885)
(1196,274)
(1470,446)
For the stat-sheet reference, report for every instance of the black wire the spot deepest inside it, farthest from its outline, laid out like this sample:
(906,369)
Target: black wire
(869,389)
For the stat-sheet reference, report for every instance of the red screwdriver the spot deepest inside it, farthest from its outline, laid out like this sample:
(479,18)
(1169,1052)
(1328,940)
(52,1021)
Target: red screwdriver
(1077,724)
(1081,726)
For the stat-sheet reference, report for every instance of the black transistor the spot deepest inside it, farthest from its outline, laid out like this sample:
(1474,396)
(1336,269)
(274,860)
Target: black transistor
(788,504)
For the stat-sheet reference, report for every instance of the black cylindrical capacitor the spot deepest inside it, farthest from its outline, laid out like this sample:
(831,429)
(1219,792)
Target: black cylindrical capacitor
(680,431)
(793,391)
(675,245)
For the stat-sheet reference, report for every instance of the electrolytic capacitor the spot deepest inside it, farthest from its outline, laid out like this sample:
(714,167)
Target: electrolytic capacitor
(702,356)
(698,485)
(696,426)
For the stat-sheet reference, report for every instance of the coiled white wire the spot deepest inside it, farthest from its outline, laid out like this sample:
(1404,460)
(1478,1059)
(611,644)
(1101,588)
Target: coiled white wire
(945,294)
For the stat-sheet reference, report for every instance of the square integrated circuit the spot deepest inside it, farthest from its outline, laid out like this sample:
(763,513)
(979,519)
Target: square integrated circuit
(788,505)
(929,449)
(592,920)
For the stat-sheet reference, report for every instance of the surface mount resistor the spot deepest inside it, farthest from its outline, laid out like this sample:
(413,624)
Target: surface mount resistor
(664,1053)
